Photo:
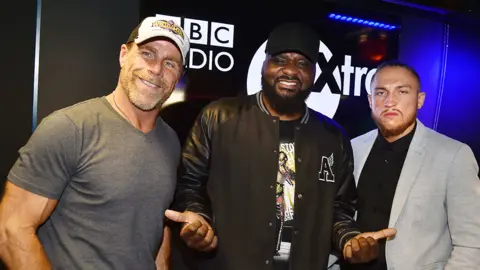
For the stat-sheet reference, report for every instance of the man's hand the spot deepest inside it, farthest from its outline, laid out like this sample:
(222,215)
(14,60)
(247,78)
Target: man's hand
(195,231)
(364,247)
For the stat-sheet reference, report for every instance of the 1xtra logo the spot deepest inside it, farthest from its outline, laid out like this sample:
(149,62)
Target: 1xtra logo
(325,101)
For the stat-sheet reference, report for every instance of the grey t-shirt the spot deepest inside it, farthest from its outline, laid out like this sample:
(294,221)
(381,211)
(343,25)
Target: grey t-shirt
(113,184)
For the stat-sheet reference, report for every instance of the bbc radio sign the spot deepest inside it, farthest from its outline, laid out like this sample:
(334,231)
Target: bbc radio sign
(216,37)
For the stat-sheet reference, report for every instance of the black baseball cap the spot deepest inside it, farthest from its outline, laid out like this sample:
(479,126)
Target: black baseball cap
(294,37)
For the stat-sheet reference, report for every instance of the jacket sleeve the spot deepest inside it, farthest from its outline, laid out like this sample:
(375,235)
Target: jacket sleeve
(346,197)
(191,192)
(463,204)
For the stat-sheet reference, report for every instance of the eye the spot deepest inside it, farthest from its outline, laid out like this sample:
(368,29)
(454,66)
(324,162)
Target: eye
(278,61)
(147,54)
(403,92)
(174,66)
(379,93)
(170,64)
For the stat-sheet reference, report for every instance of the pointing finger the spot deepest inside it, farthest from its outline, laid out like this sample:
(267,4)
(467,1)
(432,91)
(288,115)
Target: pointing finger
(385,233)
(176,216)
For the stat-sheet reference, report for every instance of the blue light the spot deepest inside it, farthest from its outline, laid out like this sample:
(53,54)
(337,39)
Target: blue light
(370,23)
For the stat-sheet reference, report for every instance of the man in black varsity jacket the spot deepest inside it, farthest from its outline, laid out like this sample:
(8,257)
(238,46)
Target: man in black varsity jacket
(267,183)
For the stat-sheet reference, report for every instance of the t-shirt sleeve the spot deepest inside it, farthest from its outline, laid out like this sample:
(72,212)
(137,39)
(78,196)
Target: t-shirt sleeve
(49,158)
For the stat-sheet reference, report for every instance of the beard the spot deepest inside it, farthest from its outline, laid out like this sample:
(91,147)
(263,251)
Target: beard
(388,132)
(142,99)
(289,105)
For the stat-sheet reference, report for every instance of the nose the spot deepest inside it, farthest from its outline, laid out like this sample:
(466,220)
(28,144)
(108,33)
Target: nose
(391,100)
(156,68)
(290,69)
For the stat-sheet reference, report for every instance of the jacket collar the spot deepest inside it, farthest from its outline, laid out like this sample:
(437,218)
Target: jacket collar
(263,108)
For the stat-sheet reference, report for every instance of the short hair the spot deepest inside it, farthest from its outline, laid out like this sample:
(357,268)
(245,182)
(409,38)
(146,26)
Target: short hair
(399,64)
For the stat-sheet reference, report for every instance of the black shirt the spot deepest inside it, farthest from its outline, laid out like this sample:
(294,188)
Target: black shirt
(376,189)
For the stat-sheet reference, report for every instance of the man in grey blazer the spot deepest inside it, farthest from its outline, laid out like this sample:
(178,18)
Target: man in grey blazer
(413,179)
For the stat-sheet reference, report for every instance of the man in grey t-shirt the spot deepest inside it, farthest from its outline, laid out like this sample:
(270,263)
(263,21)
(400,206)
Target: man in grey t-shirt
(90,188)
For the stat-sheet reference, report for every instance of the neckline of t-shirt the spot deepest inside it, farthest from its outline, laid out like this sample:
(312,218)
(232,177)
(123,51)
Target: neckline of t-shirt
(126,122)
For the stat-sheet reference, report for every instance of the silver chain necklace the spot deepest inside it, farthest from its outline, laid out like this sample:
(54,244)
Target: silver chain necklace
(116,105)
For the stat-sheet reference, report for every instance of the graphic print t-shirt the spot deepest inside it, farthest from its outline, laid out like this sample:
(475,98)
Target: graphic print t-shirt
(285,192)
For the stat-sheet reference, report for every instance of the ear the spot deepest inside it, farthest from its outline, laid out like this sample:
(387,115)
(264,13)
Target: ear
(123,55)
(420,99)
(370,101)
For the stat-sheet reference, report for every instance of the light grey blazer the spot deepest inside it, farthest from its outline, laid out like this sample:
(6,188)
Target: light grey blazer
(436,207)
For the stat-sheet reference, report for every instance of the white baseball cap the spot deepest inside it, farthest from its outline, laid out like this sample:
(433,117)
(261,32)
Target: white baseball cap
(152,27)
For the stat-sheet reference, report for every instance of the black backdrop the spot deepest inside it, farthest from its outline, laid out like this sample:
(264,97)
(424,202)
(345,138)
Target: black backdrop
(366,47)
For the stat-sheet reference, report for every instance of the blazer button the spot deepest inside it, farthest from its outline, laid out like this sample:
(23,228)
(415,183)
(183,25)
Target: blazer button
(267,262)
(300,196)
(295,232)
(270,224)
(299,160)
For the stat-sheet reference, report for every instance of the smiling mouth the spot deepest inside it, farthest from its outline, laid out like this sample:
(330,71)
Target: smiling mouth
(147,83)
(288,84)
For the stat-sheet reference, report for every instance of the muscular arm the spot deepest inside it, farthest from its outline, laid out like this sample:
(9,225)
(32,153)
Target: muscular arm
(35,183)
(163,256)
(21,212)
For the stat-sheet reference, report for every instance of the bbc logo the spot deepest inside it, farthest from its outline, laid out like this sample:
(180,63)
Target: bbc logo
(204,32)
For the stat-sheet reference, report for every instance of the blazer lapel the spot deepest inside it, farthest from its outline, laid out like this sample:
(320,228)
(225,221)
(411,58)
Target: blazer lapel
(364,150)
(411,167)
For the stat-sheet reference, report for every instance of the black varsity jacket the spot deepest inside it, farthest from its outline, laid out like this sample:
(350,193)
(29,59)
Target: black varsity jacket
(228,174)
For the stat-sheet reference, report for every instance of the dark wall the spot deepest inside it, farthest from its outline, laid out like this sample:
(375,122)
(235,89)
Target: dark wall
(16,77)
(78,59)
(80,44)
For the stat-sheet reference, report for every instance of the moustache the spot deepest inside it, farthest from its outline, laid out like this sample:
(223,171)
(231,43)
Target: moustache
(390,110)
